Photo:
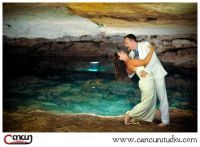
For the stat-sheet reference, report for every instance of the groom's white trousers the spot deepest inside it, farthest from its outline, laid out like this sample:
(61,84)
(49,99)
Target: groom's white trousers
(162,96)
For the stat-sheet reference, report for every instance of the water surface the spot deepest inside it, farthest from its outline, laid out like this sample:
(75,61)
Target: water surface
(74,86)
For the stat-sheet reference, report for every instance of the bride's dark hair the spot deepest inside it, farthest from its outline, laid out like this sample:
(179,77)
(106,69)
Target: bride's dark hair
(120,68)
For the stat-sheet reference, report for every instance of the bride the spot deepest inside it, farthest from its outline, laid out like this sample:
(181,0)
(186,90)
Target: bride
(145,110)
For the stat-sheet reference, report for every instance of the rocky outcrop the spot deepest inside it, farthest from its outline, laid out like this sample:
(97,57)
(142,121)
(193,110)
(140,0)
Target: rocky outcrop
(126,14)
(95,30)
(44,20)
(176,50)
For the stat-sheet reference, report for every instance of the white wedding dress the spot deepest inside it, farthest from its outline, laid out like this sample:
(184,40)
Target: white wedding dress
(145,110)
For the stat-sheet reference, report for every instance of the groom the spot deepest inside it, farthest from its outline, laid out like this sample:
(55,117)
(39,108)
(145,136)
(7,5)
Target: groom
(140,50)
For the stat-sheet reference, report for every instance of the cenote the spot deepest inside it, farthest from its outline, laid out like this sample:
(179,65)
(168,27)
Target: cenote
(72,86)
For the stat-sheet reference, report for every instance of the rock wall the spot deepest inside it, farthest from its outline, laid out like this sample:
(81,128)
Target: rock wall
(176,50)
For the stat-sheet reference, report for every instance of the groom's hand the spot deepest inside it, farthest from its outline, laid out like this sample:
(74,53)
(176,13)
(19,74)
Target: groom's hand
(143,73)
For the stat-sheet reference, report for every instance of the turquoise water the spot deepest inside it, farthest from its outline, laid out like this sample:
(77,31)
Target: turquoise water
(85,87)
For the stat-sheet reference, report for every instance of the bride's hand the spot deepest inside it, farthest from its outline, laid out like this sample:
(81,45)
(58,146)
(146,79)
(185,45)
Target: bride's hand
(152,48)
(123,56)
(129,72)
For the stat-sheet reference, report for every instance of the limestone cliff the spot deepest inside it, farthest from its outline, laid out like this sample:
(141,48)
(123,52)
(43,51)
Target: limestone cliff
(97,29)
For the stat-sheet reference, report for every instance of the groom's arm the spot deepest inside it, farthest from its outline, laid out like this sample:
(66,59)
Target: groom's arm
(152,62)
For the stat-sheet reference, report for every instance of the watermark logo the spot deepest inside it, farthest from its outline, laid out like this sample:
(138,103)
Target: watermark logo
(18,139)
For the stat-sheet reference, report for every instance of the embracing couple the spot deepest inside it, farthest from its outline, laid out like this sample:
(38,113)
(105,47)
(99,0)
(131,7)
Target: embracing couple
(143,62)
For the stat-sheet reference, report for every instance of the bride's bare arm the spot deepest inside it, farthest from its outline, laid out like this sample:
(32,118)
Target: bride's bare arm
(139,62)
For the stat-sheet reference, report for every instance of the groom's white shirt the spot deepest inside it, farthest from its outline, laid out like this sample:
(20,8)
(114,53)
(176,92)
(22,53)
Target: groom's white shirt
(154,66)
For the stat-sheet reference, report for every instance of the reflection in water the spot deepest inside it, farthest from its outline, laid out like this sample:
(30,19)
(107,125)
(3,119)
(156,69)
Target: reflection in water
(82,86)
(94,66)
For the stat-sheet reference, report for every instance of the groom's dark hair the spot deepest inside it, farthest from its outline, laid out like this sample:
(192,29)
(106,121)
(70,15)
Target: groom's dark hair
(131,36)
